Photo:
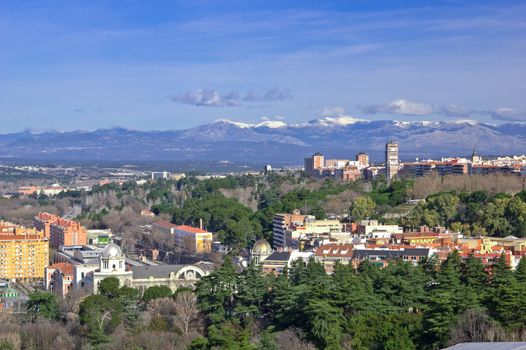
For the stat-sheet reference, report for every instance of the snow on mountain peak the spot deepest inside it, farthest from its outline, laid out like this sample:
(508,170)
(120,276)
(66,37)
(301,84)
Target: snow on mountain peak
(238,124)
(273,124)
(465,121)
(343,121)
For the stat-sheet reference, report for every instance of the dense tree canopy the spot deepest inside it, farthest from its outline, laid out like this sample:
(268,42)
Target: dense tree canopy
(399,307)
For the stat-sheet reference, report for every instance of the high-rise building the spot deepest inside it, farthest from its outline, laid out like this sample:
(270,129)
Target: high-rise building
(317,161)
(391,159)
(362,159)
(24,252)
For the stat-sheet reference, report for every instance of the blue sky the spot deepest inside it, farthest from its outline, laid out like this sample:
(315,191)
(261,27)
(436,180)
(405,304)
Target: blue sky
(176,64)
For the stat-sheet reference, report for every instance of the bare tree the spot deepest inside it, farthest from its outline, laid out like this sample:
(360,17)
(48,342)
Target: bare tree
(475,326)
(292,339)
(186,311)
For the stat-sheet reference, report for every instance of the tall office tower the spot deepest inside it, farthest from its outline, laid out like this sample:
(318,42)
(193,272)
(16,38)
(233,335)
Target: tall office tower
(362,159)
(391,159)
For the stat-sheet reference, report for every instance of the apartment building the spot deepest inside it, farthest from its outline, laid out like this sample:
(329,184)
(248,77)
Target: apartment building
(392,162)
(60,231)
(24,253)
(289,229)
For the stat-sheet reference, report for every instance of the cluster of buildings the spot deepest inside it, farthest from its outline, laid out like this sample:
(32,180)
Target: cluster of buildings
(329,242)
(475,165)
(82,268)
(346,170)
(340,169)
(82,265)
(166,175)
(82,258)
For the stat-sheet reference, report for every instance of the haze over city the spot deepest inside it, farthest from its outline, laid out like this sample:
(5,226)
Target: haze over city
(176,64)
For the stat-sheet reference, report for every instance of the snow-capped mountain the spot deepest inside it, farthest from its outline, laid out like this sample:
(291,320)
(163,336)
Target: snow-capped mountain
(270,141)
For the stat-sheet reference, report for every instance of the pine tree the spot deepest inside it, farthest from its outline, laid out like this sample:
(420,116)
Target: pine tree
(520,271)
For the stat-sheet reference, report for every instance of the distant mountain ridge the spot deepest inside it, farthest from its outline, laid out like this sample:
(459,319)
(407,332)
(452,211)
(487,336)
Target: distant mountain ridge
(270,141)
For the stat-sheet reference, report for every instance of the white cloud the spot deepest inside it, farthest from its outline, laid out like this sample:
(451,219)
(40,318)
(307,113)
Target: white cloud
(336,116)
(508,114)
(213,98)
(207,98)
(272,94)
(409,108)
(400,107)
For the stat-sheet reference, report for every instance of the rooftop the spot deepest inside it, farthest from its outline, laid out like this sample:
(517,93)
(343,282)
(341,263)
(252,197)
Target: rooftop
(166,224)
(191,229)
(158,271)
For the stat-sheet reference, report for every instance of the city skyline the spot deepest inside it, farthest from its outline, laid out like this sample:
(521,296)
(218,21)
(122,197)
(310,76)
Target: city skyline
(175,65)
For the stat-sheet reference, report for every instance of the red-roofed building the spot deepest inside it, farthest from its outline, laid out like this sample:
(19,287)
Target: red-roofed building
(165,227)
(59,278)
(60,231)
(329,254)
(193,239)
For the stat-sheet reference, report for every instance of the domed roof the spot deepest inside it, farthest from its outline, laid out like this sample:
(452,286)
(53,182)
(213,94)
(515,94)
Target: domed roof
(261,247)
(111,251)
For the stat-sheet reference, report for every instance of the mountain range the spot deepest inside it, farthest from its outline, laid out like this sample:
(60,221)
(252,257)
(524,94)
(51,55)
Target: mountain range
(273,142)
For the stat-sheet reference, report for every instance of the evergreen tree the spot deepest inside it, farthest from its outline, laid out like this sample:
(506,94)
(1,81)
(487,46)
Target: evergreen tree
(324,323)
(43,304)
(215,292)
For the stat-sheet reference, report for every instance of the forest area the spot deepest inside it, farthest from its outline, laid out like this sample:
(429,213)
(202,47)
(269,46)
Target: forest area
(400,307)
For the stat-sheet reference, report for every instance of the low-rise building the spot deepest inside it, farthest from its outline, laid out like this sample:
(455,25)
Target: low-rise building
(276,262)
(164,227)
(330,254)
(194,240)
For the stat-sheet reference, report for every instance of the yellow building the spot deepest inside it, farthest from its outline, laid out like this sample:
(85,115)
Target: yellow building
(24,254)
(193,240)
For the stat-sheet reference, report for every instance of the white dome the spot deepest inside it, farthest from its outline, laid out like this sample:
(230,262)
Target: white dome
(111,251)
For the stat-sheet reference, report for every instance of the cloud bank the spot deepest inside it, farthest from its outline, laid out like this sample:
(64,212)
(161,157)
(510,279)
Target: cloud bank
(214,98)
(411,108)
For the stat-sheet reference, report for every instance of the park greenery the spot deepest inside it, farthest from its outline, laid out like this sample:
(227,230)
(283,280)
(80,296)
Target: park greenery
(426,306)
(403,306)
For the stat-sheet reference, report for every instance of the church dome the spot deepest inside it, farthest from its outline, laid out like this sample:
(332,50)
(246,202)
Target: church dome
(111,251)
(261,247)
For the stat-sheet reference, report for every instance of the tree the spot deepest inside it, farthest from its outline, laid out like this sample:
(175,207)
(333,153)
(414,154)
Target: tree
(445,301)
(362,208)
(100,316)
(324,323)
(508,300)
(156,292)
(186,311)
(215,292)
(267,341)
(109,287)
(43,304)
